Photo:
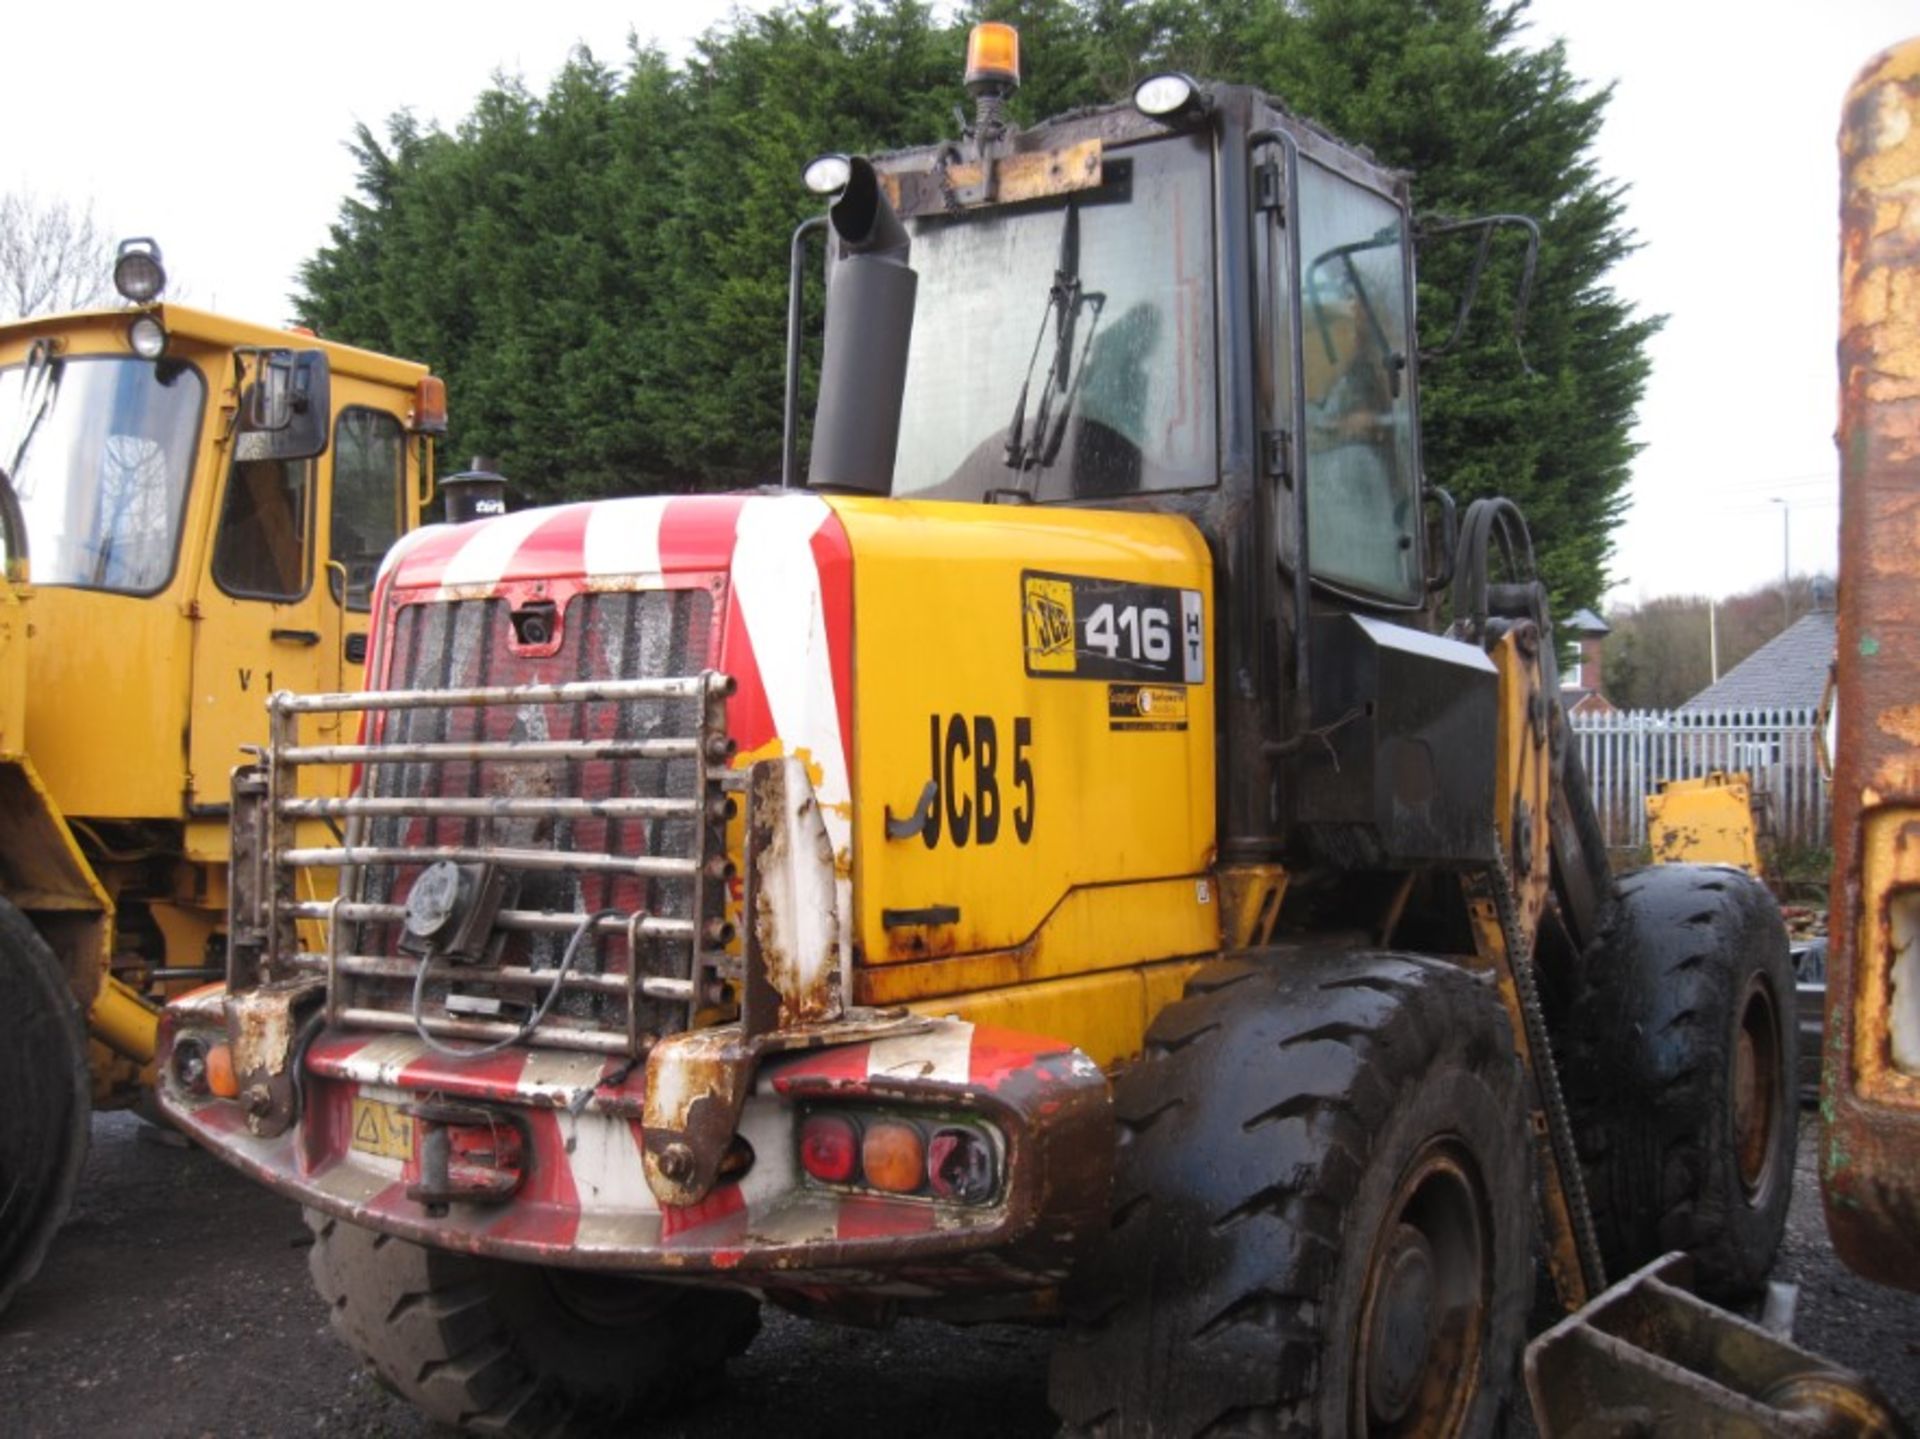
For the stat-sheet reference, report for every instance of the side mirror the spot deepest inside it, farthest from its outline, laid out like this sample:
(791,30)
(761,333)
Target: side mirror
(1483,226)
(284,410)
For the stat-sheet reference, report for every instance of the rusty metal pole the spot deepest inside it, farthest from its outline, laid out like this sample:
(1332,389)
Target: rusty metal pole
(1870,1084)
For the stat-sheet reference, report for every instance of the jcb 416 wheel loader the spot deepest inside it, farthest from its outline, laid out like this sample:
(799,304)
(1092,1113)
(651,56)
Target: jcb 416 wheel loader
(1105,852)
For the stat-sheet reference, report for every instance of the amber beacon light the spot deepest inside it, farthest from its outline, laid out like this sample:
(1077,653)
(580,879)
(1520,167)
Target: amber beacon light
(993,59)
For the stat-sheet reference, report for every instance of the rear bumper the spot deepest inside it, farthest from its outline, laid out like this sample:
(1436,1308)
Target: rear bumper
(584,1200)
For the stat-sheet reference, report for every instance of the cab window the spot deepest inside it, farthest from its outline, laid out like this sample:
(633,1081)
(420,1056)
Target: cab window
(369,471)
(1363,498)
(101,451)
(1064,347)
(260,551)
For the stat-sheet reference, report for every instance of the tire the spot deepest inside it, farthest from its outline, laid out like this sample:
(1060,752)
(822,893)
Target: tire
(1301,1139)
(494,1347)
(1680,1072)
(44,1122)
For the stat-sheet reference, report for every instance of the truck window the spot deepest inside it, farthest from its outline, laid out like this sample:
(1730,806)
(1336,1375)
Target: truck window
(369,470)
(260,551)
(1132,366)
(101,452)
(1363,499)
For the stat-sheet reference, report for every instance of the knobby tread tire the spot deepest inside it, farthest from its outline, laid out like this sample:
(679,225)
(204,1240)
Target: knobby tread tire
(48,1099)
(486,1346)
(1649,1072)
(1261,1137)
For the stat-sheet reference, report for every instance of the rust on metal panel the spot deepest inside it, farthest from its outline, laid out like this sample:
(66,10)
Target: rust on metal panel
(792,920)
(698,1082)
(581,1200)
(1870,1160)
(262,1029)
(1003,180)
(1646,1356)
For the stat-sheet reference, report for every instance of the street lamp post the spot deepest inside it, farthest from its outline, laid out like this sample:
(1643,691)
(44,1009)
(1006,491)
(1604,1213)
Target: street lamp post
(1786,562)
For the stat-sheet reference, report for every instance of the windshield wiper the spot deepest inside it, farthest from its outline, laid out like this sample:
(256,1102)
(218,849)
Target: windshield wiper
(1025,452)
(39,379)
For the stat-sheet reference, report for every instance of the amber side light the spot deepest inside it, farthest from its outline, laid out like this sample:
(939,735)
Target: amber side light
(220,1076)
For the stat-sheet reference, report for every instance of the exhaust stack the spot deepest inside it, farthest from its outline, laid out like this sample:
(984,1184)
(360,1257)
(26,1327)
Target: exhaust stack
(863,370)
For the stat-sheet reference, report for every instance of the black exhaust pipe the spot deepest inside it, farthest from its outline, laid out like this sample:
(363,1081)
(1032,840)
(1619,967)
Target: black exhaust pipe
(863,370)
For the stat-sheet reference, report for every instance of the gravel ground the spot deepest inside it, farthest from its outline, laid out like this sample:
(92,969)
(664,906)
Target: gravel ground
(176,1303)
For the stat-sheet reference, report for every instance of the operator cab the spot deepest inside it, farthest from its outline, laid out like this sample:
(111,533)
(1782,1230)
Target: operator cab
(212,496)
(1196,303)
(1111,309)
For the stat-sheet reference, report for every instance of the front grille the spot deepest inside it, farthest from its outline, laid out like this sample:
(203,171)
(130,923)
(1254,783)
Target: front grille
(590,779)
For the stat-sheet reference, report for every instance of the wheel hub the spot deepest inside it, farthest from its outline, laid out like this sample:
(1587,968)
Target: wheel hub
(1427,1298)
(1404,1320)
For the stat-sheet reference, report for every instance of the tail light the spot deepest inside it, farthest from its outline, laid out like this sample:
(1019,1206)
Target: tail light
(894,1156)
(960,1165)
(830,1148)
(956,1162)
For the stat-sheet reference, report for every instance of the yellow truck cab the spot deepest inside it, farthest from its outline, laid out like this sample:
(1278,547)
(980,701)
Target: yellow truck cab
(192,510)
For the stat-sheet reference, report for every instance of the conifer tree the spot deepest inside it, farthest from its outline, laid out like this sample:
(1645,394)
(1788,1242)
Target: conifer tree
(600,272)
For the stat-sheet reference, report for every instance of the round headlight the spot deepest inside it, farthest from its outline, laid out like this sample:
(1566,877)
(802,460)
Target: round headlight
(827,174)
(148,337)
(1164,95)
(137,272)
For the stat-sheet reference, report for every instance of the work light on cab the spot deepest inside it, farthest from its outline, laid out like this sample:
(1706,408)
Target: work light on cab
(1169,96)
(148,337)
(137,272)
(827,174)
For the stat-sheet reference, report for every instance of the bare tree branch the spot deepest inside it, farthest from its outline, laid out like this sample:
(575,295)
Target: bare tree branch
(52,257)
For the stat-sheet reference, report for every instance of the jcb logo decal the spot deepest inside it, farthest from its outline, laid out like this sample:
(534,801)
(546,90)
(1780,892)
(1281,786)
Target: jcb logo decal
(965,759)
(1079,627)
(1049,608)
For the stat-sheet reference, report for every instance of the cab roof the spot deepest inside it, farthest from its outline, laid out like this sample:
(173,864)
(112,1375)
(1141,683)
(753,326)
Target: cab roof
(220,332)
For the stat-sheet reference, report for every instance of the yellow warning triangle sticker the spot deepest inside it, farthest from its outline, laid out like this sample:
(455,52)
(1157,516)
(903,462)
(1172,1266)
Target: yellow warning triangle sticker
(366,1129)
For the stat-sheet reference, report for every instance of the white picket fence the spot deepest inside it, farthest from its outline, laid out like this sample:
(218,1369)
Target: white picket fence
(1629,752)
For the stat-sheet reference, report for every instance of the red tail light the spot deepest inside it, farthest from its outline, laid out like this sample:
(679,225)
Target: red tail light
(830,1148)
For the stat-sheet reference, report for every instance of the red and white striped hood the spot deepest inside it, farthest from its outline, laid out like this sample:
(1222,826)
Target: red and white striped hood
(779,564)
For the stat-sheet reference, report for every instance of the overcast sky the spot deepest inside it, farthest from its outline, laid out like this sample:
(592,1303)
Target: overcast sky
(220,132)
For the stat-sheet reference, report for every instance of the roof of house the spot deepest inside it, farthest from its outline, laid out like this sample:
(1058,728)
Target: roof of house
(1789,670)
(1586,622)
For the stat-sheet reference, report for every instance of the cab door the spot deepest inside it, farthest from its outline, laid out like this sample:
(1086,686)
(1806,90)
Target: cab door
(263,619)
(367,508)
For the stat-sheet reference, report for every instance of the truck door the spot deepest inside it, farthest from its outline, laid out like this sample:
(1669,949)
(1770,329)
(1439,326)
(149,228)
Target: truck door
(366,512)
(283,605)
(263,622)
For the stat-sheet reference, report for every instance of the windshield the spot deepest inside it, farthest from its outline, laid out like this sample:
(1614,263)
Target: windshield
(1362,497)
(1065,348)
(100,451)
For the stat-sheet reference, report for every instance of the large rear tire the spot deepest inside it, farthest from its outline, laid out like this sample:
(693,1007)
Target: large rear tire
(1680,1075)
(44,1119)
(515,1349)
(1322,1219)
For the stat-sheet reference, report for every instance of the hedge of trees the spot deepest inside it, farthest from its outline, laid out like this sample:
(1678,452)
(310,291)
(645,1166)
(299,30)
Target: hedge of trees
(600,271)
